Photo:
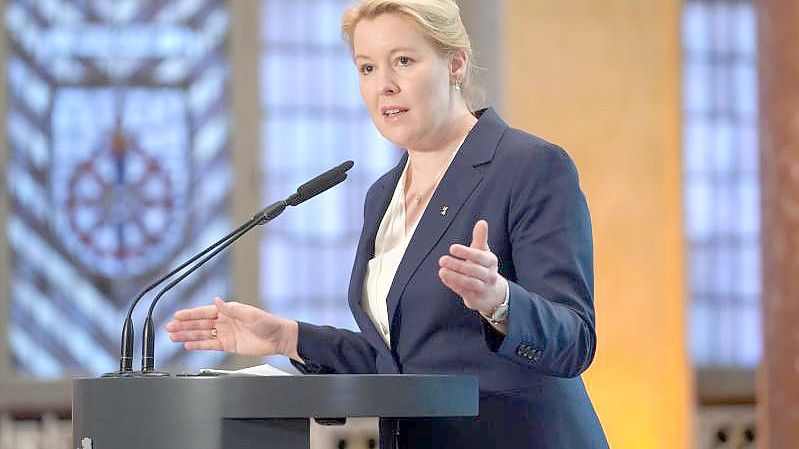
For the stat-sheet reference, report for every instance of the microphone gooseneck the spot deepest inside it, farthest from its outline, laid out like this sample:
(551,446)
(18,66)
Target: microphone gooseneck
(126,347)
(148,340)
(305,192)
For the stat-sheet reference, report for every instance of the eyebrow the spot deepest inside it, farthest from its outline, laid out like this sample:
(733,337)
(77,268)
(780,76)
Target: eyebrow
(395,50)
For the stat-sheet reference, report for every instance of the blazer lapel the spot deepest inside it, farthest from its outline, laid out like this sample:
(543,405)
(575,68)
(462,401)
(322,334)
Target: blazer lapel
(374,208)
(455,188)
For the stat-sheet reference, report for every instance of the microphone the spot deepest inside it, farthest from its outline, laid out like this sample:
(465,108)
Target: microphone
(305,192)
(319,184)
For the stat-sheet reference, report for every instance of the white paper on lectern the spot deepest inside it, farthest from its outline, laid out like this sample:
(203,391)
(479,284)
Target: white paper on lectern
(258,370)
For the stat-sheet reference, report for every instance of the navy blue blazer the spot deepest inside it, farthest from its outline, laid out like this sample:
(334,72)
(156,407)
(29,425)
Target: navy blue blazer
(531,395)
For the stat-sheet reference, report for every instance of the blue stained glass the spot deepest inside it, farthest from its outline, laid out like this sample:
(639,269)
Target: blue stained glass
(696,142)
(700,271)
(700,331)
(695,98)
(722,210)
(35,360)
(324,20)
(747,283)
(696,26)
(285,21)
(748,157)
(745,76)
(727,329)
(749,201)
(722,32)
(314,119)
(83,149)
(745,25)
(699,202)
(111,114)
(748,324)
(278,287)
(61,11)
(178,11)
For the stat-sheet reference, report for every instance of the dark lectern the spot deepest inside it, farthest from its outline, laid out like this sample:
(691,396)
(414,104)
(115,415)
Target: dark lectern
(247,412)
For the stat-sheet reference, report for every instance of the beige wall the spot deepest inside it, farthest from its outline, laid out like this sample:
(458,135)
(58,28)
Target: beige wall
(602,79)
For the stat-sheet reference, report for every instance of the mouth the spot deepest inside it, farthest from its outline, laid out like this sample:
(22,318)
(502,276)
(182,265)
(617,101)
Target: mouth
(392,111)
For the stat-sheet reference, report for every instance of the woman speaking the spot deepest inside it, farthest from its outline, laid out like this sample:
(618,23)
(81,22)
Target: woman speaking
(475,255)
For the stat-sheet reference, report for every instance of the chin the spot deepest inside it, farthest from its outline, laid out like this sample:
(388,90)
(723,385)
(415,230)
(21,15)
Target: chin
(395,136)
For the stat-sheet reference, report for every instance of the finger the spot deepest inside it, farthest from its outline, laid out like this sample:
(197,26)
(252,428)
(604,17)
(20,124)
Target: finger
(460,282)
(193,335)
(174,326)
(197,313)
(226,308)
(467,268)
(480,235)
(204,345)
(466,295)
(479,256)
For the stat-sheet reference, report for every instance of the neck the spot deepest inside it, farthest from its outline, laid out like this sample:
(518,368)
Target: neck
(424,163)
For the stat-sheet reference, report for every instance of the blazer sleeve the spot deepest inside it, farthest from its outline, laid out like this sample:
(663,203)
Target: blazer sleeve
(330,350)
(551,318)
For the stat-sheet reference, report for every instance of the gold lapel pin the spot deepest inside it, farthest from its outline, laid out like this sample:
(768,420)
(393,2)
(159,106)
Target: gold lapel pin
(444,210)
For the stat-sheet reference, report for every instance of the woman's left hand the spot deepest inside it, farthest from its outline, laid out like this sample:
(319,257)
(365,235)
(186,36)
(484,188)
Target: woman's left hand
(473,272)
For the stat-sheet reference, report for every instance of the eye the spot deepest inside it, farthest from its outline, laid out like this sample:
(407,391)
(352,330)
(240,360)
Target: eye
(404,61)
(366,69)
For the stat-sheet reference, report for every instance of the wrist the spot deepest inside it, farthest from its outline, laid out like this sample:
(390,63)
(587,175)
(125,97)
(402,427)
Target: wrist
(290,340)
(488,311)
(497,314)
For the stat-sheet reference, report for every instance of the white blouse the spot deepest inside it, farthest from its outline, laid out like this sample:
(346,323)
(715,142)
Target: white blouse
(391,242)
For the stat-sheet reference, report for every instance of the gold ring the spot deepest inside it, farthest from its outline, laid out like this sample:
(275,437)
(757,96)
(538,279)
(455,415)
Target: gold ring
(214,332)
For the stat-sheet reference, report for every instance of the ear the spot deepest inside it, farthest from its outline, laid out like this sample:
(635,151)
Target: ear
(457,67)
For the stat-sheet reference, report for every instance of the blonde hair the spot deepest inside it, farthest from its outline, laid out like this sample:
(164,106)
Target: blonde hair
(439,20)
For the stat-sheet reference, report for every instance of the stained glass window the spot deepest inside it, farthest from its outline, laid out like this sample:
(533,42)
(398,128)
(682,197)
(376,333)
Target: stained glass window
(722,208)
(118,169)
(313,119)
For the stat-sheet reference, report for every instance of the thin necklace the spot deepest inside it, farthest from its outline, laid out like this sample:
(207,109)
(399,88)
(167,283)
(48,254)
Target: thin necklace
(417,197)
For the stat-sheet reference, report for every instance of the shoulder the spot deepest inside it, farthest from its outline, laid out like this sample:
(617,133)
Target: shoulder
(532,157)
(516,150)
(543,186)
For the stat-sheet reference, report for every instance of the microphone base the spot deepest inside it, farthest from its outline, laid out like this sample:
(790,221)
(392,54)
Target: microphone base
(154,374)
(122,374)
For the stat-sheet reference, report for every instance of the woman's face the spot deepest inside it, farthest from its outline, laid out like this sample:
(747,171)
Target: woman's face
(405,83)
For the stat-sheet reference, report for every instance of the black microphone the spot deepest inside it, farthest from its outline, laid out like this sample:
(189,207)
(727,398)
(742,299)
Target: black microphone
(305,192)
(319,184)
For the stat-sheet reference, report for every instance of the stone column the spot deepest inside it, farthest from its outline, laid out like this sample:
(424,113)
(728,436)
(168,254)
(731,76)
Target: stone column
(778,383)
(244,54)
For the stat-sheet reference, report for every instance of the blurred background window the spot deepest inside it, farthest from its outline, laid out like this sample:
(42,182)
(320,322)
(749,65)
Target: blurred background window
(722,193)
(314,119)
(117,170)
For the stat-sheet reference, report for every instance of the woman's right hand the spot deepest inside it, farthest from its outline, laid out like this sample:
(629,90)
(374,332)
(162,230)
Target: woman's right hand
(240,329)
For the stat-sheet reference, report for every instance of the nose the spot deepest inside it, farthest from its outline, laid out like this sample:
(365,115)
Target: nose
(388,85)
